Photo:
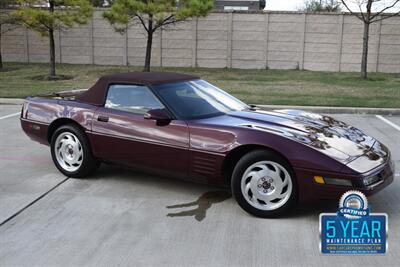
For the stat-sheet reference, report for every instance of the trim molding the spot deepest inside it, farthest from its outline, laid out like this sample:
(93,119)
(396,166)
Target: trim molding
(155,143)
(37,122)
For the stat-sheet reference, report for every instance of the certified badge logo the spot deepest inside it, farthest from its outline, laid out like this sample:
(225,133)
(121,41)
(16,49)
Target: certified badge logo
(353,229)
(353,205)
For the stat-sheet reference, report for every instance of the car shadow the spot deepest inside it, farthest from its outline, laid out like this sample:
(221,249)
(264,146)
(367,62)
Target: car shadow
(208,195)
(202,203)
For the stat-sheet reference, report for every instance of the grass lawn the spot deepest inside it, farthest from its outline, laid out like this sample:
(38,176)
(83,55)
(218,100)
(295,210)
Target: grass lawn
(280,87)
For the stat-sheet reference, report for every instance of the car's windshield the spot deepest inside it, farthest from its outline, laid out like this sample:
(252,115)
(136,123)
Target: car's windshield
(197,99)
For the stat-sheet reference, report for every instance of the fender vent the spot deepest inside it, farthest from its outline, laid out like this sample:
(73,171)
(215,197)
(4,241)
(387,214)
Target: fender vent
(204,166)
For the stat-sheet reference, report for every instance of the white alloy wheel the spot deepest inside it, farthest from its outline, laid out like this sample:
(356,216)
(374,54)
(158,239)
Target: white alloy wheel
(266,185)
(68,151)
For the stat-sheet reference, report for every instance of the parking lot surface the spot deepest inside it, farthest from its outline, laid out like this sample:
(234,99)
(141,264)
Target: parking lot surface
(122,217)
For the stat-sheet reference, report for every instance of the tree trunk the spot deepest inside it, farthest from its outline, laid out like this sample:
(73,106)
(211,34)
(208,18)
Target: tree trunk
(52,72)
(364,60)
(149,44)
(1,57)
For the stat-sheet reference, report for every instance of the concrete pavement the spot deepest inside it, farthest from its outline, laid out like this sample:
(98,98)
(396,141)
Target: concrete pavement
(119,217)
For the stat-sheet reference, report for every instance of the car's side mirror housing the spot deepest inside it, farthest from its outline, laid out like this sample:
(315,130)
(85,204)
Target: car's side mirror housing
(159,115)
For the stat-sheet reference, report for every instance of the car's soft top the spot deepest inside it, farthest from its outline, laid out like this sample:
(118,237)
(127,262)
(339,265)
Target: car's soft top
(96,95)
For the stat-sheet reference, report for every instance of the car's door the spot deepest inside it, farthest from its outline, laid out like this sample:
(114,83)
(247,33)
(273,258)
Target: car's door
(121,134)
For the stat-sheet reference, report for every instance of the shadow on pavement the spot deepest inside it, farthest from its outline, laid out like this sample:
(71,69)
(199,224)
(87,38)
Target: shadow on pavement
(203,203)
(212,196)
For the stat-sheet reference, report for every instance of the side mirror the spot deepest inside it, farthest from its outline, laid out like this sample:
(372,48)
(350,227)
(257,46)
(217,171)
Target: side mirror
(159,115)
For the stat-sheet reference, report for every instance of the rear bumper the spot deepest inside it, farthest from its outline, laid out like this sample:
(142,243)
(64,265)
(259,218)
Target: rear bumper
(36,131)
(310,191)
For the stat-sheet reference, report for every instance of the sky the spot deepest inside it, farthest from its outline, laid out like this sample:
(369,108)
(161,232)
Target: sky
(294,5)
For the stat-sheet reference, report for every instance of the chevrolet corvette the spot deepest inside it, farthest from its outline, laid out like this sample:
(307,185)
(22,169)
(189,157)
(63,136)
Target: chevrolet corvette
(182,126)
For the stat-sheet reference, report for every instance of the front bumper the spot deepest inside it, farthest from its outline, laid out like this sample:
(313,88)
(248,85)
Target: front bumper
(309,190)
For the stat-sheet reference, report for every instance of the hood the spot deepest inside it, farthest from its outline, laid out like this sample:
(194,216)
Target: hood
(332,137)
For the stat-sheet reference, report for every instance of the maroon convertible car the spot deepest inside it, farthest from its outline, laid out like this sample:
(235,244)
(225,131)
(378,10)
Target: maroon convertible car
(182,126)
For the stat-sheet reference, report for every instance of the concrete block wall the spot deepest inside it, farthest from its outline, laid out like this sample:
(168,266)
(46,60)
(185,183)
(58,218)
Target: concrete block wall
(352,40)
(285,41)
(249,41)
(210,44)
(176,45)
(255,40)
(322,41)
(14,45)
(76,45)
(108,45)
(389,46)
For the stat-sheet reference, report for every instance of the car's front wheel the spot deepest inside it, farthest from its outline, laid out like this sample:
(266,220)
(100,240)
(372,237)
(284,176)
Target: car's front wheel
(71,152)
(263,184)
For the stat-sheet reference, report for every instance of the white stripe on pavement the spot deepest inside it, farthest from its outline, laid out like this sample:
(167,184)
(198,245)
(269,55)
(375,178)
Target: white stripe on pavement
(388,122)
(9,116)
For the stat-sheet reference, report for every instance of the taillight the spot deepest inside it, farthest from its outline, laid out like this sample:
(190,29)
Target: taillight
(24,110)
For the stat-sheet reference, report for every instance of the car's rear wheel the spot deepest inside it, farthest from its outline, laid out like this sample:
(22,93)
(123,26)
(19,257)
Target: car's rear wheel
(71,152)
(263,184)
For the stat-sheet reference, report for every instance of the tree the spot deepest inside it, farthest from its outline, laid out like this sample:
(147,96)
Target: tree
(153,14)
(366,15)
(6,20)
(47,16)
(322,6)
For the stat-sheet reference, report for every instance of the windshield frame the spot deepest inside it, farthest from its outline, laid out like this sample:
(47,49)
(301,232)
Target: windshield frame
(210,115)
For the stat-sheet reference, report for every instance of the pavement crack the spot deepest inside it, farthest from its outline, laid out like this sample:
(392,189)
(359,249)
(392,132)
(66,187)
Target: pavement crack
(33,202)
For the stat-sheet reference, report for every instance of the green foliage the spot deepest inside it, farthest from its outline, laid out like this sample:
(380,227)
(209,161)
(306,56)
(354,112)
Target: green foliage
(322,6)
(161,12)
(153,14)
(60,13)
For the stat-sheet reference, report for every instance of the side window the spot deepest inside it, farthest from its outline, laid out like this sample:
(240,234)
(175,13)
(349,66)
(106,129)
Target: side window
(133,98)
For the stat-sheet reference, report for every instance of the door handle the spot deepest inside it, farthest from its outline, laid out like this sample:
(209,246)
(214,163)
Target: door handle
(102,118)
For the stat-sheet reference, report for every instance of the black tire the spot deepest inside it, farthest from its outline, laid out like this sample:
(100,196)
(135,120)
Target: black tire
(236,183)
(89,164)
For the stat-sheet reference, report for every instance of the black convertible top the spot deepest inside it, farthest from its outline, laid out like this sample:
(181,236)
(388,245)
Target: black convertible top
(96,95)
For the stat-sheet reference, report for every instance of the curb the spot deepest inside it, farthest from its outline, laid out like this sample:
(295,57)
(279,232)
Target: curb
(316,109)
(338,110)
(11,101)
